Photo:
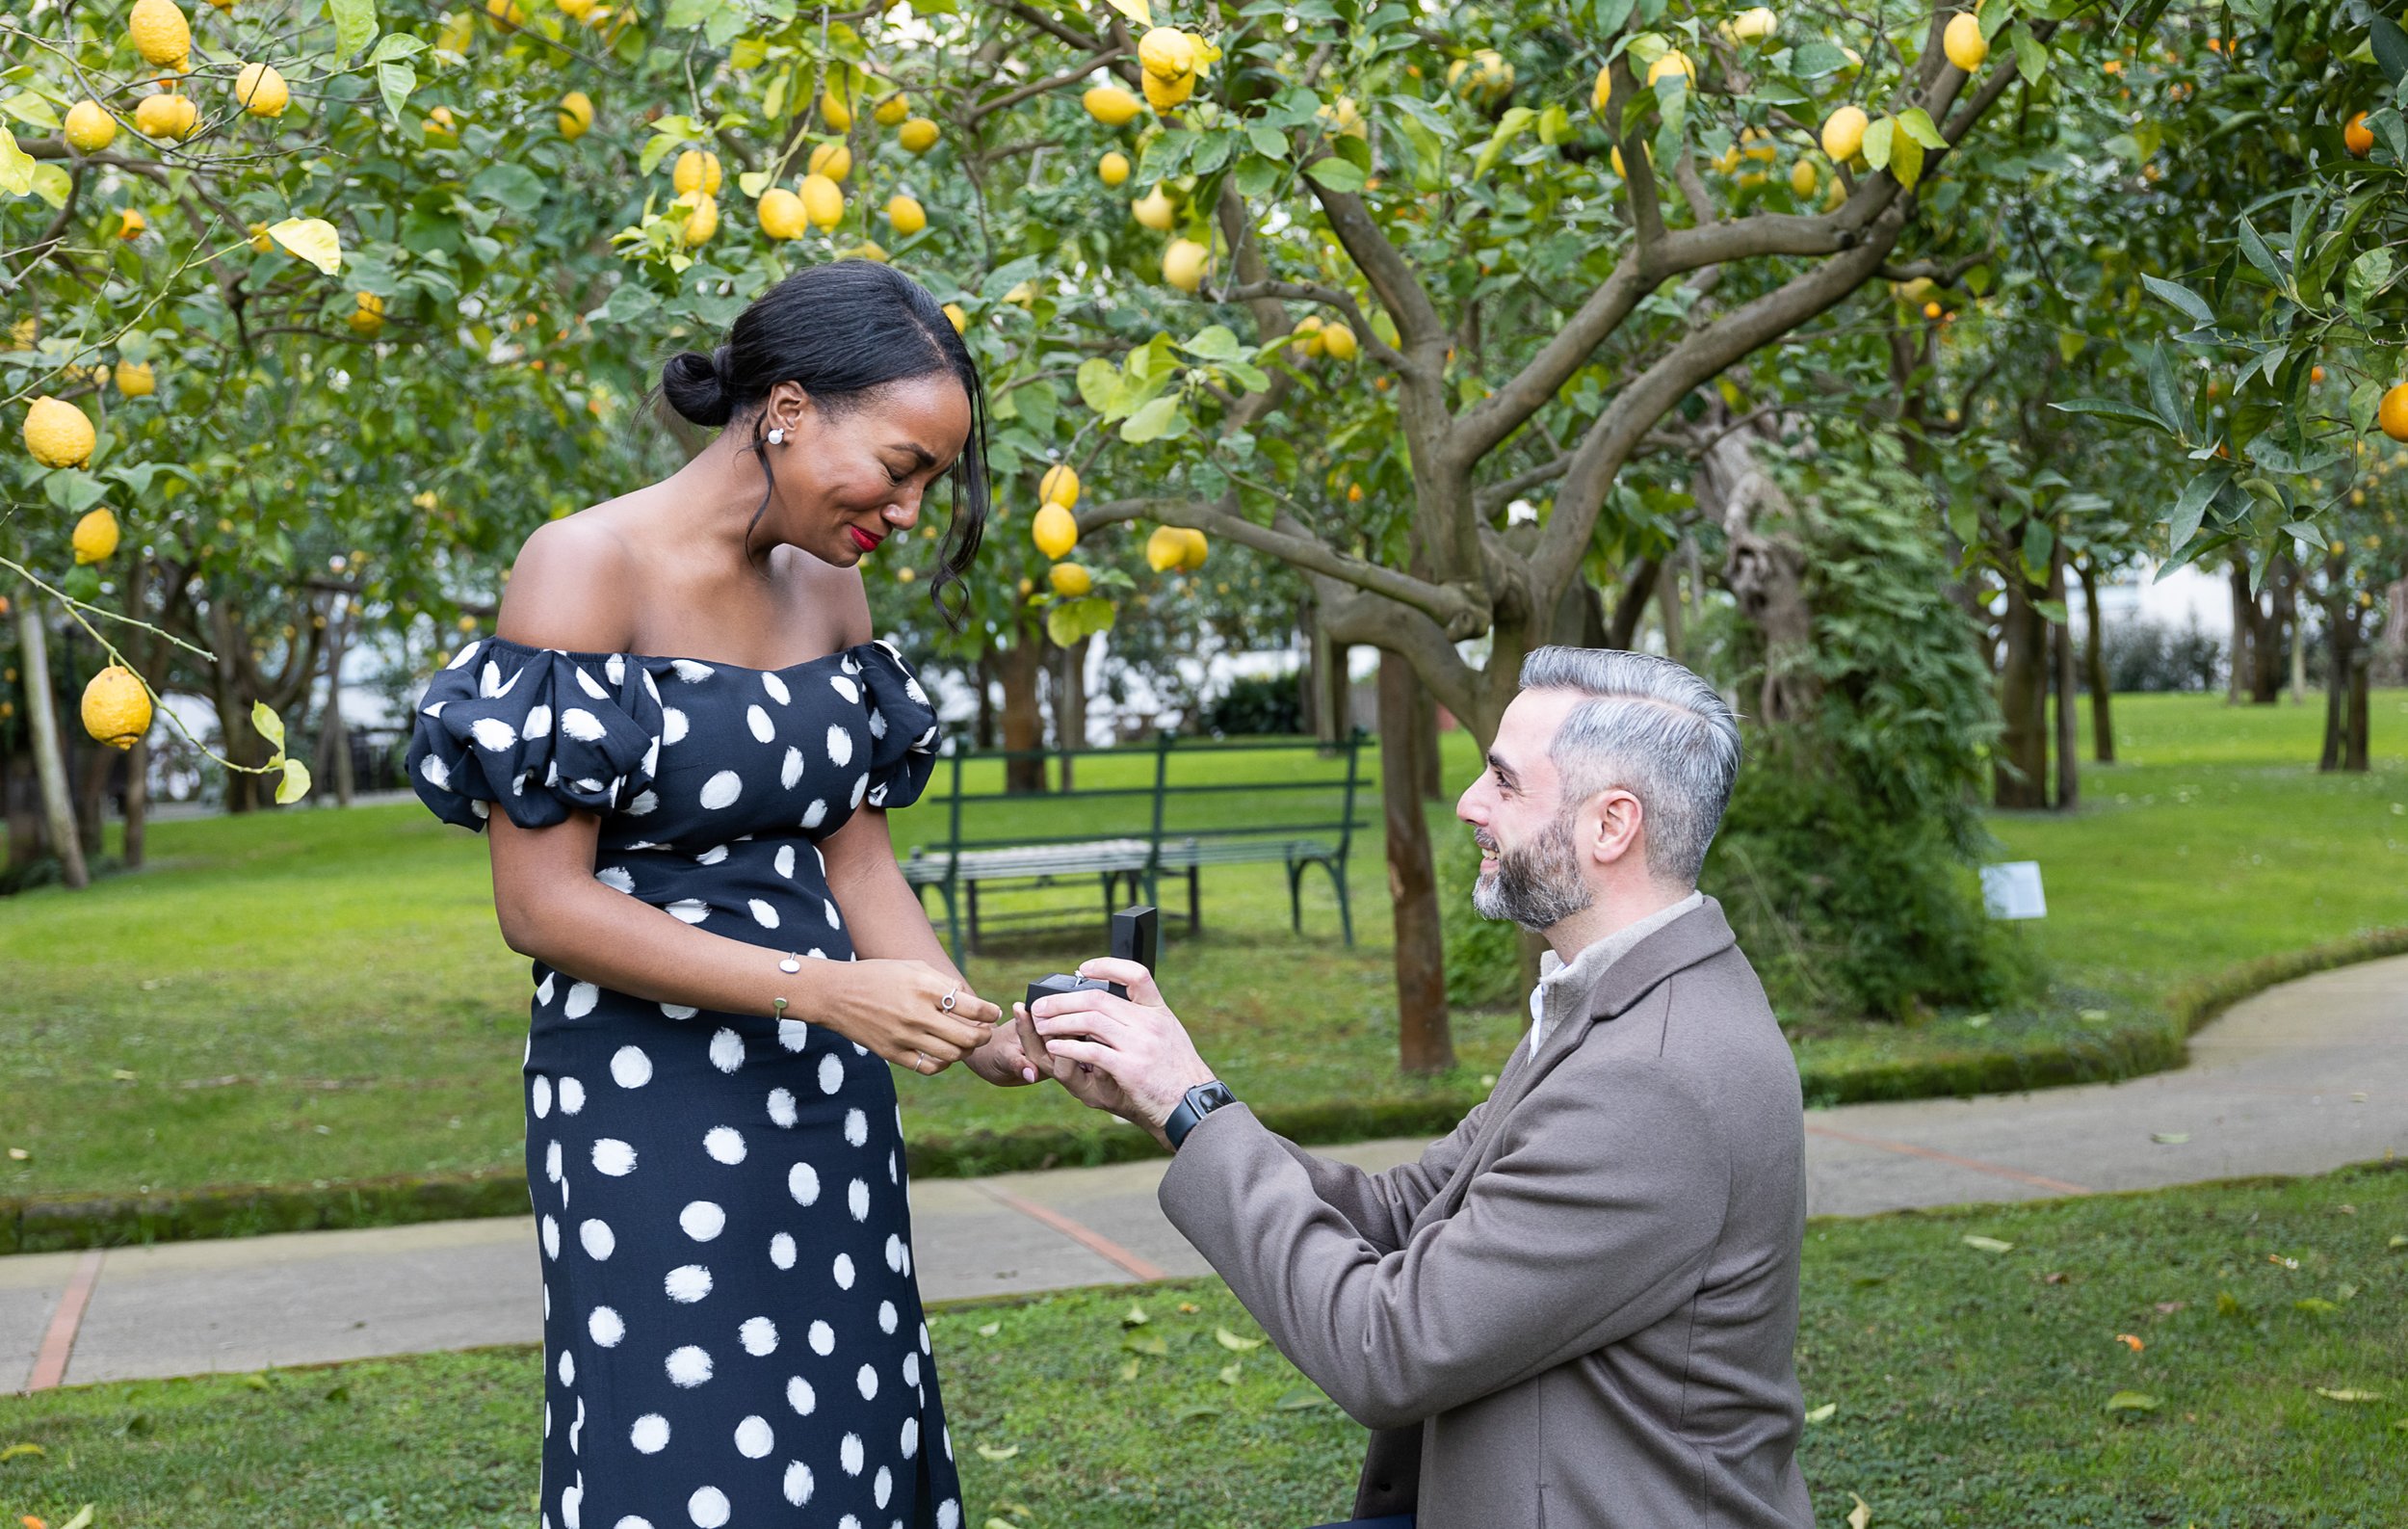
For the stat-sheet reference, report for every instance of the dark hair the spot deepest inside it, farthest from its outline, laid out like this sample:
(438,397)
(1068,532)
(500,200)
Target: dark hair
(843,330)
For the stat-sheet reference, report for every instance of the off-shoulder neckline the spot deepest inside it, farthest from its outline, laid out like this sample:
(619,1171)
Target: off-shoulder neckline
(499,641)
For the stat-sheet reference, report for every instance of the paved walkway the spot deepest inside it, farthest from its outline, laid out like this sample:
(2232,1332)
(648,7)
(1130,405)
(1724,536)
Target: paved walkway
(2298,1080)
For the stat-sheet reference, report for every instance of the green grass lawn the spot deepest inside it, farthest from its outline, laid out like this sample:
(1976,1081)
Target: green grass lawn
(321,997)
(1967,1387)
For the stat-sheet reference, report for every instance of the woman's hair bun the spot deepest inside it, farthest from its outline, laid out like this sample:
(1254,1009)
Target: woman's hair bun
(695,387)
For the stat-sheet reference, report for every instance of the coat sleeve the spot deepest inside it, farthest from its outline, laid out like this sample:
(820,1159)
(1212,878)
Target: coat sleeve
(1381,1207)
(1595,1220)
(535,732)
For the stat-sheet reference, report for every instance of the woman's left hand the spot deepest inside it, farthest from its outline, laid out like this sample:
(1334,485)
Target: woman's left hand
(1003,1059)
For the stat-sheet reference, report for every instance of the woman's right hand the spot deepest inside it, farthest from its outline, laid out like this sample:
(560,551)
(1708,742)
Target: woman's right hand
(893,1008)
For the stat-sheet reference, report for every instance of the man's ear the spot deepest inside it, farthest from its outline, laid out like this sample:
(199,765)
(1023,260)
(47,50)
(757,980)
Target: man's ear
(1618,819)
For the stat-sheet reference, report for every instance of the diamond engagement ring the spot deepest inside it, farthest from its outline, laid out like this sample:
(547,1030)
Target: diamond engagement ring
(946,1003)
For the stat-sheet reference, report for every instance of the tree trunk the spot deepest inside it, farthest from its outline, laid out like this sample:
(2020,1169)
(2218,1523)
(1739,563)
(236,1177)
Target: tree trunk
(42,719)
(334,744)
(983,731)
(2354,754)
(2021,771)
(1070,686)
(1433,786)
(157,654)
(2061,642)
(1762,568)
(1423,1045)
(2282,583)
(1023,725)
(2341,627)
(2391,648)
(2240,664)
(137,801)
(92,798)
(2094,665)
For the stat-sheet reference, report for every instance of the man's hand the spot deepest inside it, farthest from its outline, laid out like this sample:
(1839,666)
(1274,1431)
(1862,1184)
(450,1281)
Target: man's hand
(1012,1057)
(1135,1043)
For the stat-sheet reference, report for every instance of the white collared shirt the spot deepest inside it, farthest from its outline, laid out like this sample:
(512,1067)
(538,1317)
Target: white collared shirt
(1559,980)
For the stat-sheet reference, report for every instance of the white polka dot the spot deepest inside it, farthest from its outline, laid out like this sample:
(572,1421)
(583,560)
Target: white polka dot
(650,1435)
(643,805)
(759,1336)
(630,1521)
(725,1145)
(894,1254)
(582,724)
(581,996)
(839,745)
(860,784)
(437,774)
(573,1504)
(795,1035)
(552,1161)
(492,734)
(949,1515)
(831,1073)
(702,1220)
(910,1437)
(857,1199)
(538,721)
(843,1270)
(776,688)
(721,790)
(688,1283)
(605,1327)
(797,1483)
(569,1369)
(712,856)
(689,909)
(763,913)
(618,877)
(614,1157)
(572,1095)
(800,1397)
(782,1108)
(727,1053)
(835,920)
(672,725)
(857,1128)
(866,1379)
(759,721)
(543,989)
(541,1091)
(707,1508)
(802,1182)
(598,1239)
(551,1238)
(911,1369)
(812,816)
(849,1454)
(630,1068)
(782,1250)
(887,1316)
(823,1339)
(885,1485)
(679,1011)
(790,770)
(753,1439)
(689,1367)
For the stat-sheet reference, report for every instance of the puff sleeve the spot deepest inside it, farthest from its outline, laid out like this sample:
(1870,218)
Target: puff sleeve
(538,731)
(903,729)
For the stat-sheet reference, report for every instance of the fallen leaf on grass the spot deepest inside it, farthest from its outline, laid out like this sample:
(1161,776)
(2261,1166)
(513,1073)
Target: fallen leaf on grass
(1861,1515)
(81,1518)
(1146,1343)
(123,1075)
(1129,1370)
(1001,1524)
(2344,1210)
(1135,1317)
(2278,1258)
(32,1522)
(2169,1138)
(257,1381)
(1974,1021)
(1297,1400)
(990,1330)
(2315,1307)
(2129,1341)
(2226,1306)
(996,1457)
(1229,1373)
(2396,1244)
(2131,1402)
(2092,1017)
(18,1154)
(2400,1423)
(2054,1278)
(2349,1395)
(1986,1243)
(2166,1309)
(1233,1343)
(15,1450)
(1823,1413)
(1194,1411)
(1189,1309)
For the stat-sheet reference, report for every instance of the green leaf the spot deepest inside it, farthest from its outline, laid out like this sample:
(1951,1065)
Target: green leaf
(1004,277)
(73,489)
(1812,60)
(1971,1240)
(2254,246)
(1099,385)
(395,80)
(1152,422)
(508,185)
(1194,1411)
(2315,1307)
(1919,126)
(1823,1413)
(1906,160)
(1299,1399)
(2181,297)
(1877,140)
(2190,506)
(32,110)
(2112,409)
(17,167)
(2031,55)
(1134,1316)
(355,23)
(1136,1342)
(1510,126)
(1213,342)
(2133,1402)
(269,726)
(2391,47)
(295,783)
(1337,174)
(1267,141)
(1233,1343)
(396,45)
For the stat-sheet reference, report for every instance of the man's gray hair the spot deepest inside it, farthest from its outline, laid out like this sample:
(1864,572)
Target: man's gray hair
(1652,728)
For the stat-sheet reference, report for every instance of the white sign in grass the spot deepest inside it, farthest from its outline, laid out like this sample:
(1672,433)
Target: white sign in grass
(2012,890)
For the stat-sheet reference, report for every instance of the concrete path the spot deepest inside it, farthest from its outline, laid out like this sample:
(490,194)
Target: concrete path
(2298,1080)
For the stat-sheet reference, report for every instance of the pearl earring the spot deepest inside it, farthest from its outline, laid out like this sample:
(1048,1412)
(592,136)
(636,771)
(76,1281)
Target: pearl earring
(778,437)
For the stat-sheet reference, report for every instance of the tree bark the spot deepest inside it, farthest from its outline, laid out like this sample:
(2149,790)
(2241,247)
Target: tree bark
(2344,676)
(983,671)
(2243,628)
(1763,568)
(2061,641)
(2094,665)
(1424,1042)
(2391,648)
(1068,677)
(2022,771)
(333,765)
(1023,725)
(2282,588)
(42,719)
(1433,786)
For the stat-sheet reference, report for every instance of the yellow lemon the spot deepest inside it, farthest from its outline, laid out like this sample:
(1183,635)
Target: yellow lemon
(1308,335)
(1153,210)
(1113,168)
(892,110)
(1162,95)
(701,223)
(1024,293)
(822,203)
(1184,264)
(1167,53)
(1963,42)
(1060,486)
(505,12)
(369,303)
(2391,414)
(136,379)
(262,91)
(95,536)
(959,320)
(696,171)
(1803,177)
(1844,133)
(1675,61)
(867,250)
(131,223)
(167,116)
(440,124)
(1166,549)
(1614,154)
(1602,91)
(574,10)
(781,213)
(1484,76)
(458,32)
(58,433)
(1751,25)
(917,136)
(1338,342)
(576,115)
(1070,579)
(369,316)
(259,238)
(833,111)
(832,160)
(1344,118)
(116,708)
(90,128)
(907,215)
(1055,530)
(1197,549)
(1111,105)
(160,33)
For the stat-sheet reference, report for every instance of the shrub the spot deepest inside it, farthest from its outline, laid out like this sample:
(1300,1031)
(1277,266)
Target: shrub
(1257,704)
(2150,655)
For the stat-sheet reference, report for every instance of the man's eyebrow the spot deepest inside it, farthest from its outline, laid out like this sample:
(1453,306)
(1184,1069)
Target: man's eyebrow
(1502,769)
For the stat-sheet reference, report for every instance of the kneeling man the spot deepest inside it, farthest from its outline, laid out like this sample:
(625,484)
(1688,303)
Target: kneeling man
(1581,1309)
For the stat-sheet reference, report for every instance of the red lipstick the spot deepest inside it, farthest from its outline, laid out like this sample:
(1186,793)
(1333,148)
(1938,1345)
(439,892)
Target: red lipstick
(863,539)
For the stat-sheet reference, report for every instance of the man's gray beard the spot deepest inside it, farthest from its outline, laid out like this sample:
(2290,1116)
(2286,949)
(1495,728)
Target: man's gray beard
(1538,886)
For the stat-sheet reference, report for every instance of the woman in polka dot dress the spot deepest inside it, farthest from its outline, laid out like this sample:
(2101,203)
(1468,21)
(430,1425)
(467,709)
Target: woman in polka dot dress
(694,851)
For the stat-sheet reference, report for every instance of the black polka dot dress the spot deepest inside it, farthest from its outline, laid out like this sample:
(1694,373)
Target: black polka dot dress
(732,1333)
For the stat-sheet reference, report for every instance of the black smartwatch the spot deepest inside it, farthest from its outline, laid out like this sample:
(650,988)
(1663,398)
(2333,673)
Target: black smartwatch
(1195,1105)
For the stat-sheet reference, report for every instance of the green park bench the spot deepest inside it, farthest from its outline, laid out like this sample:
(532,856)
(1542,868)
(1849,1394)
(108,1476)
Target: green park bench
(1190,813)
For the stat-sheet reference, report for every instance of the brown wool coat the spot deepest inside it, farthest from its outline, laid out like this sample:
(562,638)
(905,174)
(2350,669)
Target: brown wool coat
(1581,1309)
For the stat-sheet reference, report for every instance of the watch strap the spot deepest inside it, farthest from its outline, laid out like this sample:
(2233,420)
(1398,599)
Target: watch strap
(1195,1105)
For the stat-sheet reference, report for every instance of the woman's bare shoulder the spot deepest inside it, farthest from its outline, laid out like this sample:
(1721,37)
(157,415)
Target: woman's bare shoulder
(572,587)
